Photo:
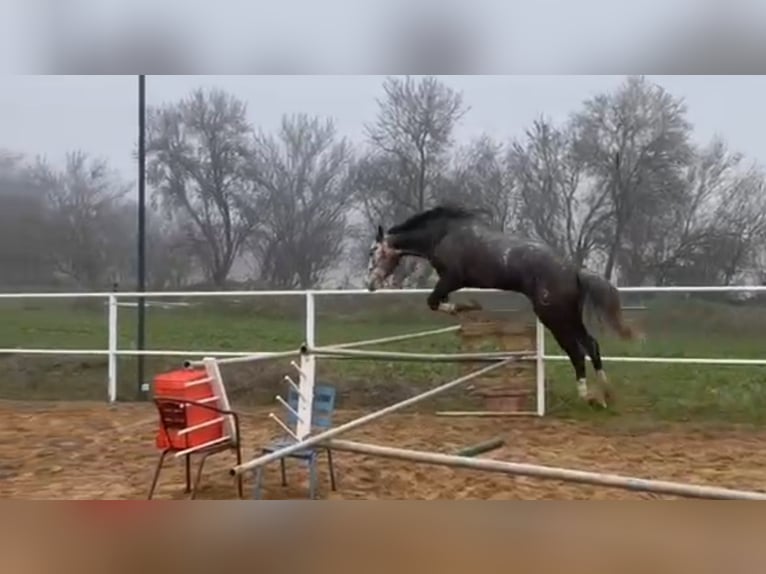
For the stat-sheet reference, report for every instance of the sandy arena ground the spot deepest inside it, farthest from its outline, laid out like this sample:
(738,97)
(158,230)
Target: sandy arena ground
(94,451)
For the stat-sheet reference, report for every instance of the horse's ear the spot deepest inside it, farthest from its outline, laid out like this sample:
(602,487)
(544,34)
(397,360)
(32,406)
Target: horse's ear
(379,236)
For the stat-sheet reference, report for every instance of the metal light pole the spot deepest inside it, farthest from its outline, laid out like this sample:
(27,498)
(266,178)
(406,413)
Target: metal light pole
(141,230)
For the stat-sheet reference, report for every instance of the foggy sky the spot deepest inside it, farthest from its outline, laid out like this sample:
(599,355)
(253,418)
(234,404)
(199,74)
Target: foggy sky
(50,115)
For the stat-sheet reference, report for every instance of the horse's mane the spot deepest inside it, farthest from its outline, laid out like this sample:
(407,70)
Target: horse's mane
(433,214)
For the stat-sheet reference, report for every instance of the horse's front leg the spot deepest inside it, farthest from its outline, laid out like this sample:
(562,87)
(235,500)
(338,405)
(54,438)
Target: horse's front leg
(438,299)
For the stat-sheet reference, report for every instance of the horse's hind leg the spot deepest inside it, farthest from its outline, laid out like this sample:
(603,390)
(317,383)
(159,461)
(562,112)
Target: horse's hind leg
(567,338)
(591,346)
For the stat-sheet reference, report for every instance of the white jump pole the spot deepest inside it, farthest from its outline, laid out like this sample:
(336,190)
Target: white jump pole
(394,338)
(547,472)
(356,423)
(255,357)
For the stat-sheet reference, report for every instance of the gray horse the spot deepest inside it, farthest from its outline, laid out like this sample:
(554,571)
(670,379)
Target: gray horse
(467,253)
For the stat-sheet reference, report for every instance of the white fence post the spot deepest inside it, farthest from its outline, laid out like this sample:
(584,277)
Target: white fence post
(112,347)
(308,371)
(540,371)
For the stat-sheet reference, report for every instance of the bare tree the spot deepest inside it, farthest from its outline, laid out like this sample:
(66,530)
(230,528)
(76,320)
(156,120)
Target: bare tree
(558,203)
(741,219)
(380,180)
(199,150)
(415,122)
(634,143)
(23,206)
(302,175)
(88,230)
(410,141)
(170,261)
(717,227)
(482,179)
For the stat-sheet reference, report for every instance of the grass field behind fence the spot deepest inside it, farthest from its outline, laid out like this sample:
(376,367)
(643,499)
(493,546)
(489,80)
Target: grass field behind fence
(675,325)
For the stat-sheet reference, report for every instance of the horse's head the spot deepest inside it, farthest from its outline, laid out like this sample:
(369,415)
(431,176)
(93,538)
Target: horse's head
(383,261)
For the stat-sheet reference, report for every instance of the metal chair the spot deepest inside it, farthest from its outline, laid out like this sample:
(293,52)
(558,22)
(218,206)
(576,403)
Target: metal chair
(172,413)
(322,411)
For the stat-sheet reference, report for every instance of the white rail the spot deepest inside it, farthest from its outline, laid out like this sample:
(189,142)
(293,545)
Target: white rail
(113,352)
(336,292)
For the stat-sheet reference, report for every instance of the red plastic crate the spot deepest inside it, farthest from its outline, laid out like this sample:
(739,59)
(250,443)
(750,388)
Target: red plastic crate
(173,385)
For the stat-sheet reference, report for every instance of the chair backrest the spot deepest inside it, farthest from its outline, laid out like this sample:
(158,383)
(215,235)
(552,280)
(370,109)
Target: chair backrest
(174,417)
(324,406)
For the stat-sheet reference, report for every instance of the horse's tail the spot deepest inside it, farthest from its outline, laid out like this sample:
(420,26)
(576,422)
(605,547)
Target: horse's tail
(604,298)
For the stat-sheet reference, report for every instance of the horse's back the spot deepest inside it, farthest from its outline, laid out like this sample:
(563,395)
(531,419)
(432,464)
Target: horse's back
(494,259)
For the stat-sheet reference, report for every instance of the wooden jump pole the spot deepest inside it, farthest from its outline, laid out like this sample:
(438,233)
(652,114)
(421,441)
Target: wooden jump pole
(481,448)
(546,472)
(356,423)
(332,352)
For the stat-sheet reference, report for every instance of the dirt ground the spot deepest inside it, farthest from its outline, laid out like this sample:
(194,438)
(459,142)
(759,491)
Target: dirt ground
(96,451)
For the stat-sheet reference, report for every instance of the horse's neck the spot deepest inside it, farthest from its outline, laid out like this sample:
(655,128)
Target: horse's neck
(415,244)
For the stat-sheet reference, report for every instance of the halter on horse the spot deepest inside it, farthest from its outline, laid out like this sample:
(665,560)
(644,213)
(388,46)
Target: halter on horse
(467,253)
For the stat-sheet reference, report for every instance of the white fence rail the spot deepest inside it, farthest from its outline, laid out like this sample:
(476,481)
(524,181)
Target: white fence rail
(113,352)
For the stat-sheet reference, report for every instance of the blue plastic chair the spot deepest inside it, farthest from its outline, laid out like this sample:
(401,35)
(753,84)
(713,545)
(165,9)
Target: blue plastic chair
(323,408)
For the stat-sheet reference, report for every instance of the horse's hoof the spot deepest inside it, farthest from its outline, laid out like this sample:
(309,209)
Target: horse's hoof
(596,402)
(468,307)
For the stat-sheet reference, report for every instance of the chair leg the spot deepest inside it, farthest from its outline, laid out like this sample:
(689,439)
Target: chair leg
(284,472)
(258,483)
(157,471)
(312,477)
(240,487)
(188,474)
(332,469)
(199,476)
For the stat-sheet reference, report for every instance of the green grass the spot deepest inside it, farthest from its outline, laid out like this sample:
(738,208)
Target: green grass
(675,327)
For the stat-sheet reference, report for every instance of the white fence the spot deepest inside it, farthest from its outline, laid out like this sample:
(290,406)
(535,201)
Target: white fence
(113,352)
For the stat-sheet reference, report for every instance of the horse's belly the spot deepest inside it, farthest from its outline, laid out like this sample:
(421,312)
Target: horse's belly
(490,273)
